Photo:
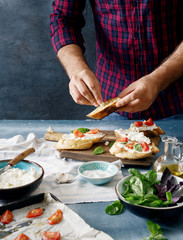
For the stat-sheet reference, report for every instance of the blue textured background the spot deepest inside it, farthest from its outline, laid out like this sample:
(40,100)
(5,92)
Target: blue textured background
(33,85)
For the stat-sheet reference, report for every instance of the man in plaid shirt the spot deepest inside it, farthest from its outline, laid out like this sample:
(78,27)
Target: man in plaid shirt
(139,54)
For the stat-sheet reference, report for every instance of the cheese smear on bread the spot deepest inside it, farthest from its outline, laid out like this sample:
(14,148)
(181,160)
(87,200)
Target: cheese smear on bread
(144,127)
(133,136)
(87,136)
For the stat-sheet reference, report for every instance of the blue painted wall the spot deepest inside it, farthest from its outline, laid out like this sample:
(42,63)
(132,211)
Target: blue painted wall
(33,84)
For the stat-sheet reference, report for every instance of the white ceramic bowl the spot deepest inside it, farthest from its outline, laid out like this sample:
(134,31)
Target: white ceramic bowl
(107,168)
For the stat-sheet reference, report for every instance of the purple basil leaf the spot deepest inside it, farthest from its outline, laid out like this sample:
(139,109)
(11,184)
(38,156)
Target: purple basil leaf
(175,199)
(161,190)
(166,176)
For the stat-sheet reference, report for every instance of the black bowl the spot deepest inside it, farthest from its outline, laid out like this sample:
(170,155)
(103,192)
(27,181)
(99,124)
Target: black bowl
(24,190)
(149,212)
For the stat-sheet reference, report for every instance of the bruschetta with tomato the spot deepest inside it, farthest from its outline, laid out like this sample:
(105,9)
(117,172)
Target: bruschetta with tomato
(81,138)
(132,145)
(148,127)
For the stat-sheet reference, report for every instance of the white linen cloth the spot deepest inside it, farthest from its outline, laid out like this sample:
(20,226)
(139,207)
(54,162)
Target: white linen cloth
(77,191)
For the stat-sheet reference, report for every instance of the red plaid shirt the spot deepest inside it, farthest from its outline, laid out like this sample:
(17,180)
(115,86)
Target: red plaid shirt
(132,39)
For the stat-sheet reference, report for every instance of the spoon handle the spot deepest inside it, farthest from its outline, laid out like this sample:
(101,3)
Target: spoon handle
(21,156)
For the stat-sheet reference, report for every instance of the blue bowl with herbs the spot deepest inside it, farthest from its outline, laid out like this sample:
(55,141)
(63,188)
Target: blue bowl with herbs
(151,194)
(98,172)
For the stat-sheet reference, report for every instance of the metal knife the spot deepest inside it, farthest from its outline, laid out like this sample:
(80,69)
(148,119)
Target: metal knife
(14,161)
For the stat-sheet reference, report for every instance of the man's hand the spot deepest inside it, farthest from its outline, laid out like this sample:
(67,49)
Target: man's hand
(85,89)
(139,95)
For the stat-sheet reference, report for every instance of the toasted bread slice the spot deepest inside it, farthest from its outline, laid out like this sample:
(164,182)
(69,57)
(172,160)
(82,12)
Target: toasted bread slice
(149,131)
(68,141)
(104,109)
(124,154)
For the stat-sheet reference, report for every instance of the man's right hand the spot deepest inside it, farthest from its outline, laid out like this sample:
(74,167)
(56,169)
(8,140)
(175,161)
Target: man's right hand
(84,88)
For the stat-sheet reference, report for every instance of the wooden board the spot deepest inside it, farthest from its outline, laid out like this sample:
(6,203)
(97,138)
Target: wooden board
(86,155)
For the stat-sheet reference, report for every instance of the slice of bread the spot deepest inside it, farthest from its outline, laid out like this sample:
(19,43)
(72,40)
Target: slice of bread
(76,143)
(104,109)
(124,154)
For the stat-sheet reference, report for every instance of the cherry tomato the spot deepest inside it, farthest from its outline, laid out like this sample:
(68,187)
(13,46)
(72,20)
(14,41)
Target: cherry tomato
(7,217)
(130,145)
(56,217)
(149,122)
(124,139)
(93,131)
(138,124)
(35,213)
(145,146)
(77,133)
(51,236)
(22,237)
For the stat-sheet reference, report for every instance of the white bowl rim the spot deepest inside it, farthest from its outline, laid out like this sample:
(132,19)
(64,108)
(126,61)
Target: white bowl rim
(141,206)
(25,185)
(100,178)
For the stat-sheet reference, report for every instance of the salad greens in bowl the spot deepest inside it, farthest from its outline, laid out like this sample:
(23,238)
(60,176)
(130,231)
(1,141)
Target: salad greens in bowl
(151,194)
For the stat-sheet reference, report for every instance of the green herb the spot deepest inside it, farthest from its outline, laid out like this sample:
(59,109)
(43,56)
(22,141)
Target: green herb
(138,147)
(115,208)
(111,143)
(98,150)
(83,130)
(155,230)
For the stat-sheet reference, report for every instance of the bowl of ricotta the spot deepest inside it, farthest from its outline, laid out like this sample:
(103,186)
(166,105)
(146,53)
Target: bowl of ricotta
(20,180)
(98,172)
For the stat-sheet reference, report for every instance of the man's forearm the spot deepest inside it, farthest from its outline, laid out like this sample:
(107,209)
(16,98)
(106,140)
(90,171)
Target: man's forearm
(170,70)
(72,58)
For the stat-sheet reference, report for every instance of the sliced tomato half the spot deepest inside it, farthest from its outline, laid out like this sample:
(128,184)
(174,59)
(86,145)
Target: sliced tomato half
(35,213)
(145,146)
(138,123)
(56,217)
(7,217)
(149,122)
(124,139)
(77,133)
(22,236)
(93,131)
(51,236)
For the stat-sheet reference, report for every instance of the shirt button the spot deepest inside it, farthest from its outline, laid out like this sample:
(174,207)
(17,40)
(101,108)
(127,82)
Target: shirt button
(134,3)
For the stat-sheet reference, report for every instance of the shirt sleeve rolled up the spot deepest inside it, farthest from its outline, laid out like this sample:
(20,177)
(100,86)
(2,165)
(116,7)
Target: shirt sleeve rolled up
(66,23)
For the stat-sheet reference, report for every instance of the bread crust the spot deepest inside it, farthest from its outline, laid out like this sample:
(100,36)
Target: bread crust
(105,109)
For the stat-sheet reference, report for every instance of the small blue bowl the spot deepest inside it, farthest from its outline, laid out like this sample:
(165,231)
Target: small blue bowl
(110,169)
(24,190)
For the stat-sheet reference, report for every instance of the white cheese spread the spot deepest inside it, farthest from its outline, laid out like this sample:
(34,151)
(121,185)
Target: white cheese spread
(16,177)
(144,127)
(96,173)
(133,136)
(86,136)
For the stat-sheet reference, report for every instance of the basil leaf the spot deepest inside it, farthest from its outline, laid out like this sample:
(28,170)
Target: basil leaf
(83,130)
(111,143)
(115,208)
(151,176)
(137,186)
(72,131)
(138,147)
(98,150)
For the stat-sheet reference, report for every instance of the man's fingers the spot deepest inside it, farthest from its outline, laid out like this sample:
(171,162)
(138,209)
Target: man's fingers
(126,100)
(132,107)
(78,97)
